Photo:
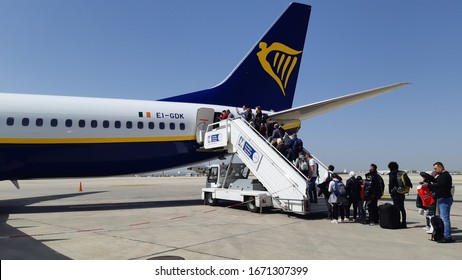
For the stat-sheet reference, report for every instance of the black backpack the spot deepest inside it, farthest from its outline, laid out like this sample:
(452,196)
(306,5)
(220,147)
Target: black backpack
(330,174)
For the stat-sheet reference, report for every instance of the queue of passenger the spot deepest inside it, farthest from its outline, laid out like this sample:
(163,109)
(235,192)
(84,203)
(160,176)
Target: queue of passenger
(434,199)
(362,194)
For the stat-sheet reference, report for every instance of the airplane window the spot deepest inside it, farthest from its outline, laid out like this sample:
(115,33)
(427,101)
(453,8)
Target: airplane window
(117,124)
(140,125)
(54,122)
(10,121)
(25,122)
(94,124)
(151,125)
(172,126)
(182,126)
(82,123)
(129,124)
(39,122)
(162,125)
(68,123)
(106,124)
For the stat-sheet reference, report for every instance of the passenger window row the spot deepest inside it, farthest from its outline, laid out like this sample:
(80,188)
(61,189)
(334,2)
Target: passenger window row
(39,122)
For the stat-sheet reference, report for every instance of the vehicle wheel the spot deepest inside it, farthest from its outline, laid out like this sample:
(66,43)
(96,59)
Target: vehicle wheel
(250,202)
(209,200)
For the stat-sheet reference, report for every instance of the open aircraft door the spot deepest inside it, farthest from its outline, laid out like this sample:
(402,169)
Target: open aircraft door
(205,116)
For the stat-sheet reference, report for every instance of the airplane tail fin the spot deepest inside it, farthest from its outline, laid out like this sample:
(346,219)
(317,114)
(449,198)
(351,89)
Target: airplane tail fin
(267,76)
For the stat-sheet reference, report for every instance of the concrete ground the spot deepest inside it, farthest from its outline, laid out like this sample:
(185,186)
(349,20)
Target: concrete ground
(164,218)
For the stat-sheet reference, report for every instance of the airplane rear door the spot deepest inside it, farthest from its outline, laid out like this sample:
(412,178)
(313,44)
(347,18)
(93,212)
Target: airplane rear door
(205,116)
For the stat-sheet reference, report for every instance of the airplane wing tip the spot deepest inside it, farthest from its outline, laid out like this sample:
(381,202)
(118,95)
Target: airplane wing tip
(403,84)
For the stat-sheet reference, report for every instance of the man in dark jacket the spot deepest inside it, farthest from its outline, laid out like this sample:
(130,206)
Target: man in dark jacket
(442,186)
(398,198)
(374,187)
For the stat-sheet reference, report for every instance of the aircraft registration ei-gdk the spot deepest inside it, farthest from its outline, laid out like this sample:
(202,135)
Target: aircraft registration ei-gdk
(58,136)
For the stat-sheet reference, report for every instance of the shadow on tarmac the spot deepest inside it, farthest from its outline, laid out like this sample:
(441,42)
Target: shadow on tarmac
(21,209)
(15,244)
(32,200)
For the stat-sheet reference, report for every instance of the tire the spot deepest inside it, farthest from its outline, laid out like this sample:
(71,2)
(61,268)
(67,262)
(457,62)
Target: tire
(250,202)
(209,200)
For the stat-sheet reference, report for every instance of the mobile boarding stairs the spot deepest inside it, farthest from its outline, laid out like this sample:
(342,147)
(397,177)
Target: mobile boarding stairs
(285,185)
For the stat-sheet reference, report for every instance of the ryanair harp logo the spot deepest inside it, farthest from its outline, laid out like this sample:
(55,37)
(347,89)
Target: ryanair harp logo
(278,60)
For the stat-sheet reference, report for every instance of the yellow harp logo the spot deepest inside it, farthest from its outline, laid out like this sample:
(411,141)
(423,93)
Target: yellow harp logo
(283,62)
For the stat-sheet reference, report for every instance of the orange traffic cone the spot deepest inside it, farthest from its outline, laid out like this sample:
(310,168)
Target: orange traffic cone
(80,187)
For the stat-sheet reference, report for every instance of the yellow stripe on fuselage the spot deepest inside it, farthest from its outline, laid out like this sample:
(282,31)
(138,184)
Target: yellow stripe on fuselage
(94,140)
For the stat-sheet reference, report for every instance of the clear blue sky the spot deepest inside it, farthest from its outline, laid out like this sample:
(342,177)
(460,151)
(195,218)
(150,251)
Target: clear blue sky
(155,49)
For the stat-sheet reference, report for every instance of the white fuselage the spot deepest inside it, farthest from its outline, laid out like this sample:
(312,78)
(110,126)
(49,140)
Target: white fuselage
(58,136)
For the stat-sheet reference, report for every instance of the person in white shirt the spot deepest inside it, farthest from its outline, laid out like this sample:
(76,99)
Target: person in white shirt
(312,176)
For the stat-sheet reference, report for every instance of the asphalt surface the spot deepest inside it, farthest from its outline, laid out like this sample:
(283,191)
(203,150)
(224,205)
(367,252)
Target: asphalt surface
(131,218)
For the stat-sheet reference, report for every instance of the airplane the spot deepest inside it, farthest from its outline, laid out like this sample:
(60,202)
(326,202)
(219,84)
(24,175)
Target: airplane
(199,168)
(62,137)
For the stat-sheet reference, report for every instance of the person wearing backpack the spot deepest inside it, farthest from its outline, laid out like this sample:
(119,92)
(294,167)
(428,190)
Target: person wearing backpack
(324,189)
(278,132)
(442,186)
(302,164)
(295,146)
(398,198)
(338,199)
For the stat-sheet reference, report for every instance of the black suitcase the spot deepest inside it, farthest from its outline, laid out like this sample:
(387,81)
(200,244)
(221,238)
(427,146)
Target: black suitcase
(389,216)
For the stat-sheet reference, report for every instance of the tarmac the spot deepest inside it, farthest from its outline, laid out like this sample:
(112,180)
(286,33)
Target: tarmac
(139,218)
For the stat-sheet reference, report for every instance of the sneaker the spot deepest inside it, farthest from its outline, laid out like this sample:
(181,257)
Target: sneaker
(429,231)
(450,240)
(334,221)
(341,220)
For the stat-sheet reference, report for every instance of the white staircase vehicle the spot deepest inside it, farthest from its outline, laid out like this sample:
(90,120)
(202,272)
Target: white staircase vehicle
(282,180)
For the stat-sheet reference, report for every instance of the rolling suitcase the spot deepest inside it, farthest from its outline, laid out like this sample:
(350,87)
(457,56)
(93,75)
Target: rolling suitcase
(389,216)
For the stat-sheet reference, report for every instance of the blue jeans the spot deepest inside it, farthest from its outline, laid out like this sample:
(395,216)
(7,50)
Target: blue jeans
(312,190)
(445,204)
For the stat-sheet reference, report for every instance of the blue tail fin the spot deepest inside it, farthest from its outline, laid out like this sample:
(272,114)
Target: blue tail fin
(268,74)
